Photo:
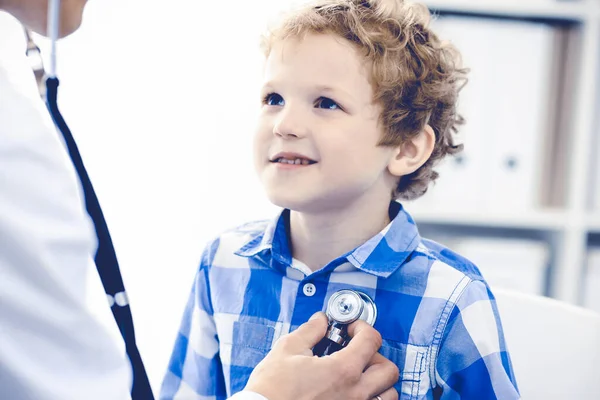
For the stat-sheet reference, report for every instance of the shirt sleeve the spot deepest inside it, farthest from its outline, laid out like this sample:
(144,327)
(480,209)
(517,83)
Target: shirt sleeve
(195,369)
(473,360)
(52,345)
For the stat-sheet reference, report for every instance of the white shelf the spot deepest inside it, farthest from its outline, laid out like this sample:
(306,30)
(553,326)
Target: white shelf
(537,220)
(542,9)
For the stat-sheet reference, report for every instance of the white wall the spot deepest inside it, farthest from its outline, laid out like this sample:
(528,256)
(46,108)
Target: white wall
(162,101)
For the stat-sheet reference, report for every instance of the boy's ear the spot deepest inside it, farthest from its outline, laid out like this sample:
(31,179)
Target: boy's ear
(413,153)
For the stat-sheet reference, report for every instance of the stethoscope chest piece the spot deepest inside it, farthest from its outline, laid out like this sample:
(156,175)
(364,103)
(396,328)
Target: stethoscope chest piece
(344,307)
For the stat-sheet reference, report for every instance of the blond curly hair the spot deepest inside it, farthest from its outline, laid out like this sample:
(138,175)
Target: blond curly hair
(415,76)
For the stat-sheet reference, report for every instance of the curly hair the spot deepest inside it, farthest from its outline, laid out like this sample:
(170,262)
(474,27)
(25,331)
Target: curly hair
(415,76)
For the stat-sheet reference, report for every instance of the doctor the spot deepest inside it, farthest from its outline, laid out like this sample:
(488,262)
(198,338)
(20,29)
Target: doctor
(51,345)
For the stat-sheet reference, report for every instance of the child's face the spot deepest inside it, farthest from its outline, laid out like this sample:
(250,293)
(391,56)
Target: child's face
(316,142)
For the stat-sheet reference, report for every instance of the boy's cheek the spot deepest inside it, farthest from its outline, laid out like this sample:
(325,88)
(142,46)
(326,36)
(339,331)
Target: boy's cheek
(263,130)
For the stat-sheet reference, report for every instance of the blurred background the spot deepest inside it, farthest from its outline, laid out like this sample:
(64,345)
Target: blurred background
(162,98)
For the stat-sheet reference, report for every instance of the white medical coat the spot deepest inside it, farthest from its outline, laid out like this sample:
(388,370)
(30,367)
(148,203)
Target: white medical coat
(54,343)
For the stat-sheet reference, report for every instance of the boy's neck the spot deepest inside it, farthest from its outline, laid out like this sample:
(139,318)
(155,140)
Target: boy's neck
(317,239)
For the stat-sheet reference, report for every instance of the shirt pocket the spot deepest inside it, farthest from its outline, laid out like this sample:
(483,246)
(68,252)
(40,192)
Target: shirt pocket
(251,343)
(411,360)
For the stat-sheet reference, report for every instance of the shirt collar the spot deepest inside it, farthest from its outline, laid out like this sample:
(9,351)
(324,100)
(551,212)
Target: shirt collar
(274,238)
(381,255)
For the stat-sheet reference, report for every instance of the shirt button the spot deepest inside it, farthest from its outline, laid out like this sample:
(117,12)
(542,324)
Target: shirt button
(309,289)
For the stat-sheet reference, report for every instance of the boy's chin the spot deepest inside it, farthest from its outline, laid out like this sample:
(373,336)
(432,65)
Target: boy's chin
(285,202)
(300,204)
(288,200)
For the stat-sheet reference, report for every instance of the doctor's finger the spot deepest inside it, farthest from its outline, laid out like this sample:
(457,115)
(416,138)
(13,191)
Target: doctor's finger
(377,359)
(362,347)
(380,376)
(390,394)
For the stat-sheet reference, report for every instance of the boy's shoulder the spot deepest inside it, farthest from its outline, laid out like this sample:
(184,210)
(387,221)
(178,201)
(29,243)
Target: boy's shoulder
(444,280)
(445,258)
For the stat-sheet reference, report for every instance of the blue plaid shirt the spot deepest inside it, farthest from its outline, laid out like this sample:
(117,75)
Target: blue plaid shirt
(436,314)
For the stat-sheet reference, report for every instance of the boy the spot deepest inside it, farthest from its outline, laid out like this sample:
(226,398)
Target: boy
(359,103)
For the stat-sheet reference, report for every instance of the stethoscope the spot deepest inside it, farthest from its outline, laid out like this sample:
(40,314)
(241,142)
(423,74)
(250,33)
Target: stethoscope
(46,75)
(343,308)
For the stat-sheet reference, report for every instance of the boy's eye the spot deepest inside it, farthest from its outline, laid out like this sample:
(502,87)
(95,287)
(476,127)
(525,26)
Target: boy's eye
(327,103)
(273,99)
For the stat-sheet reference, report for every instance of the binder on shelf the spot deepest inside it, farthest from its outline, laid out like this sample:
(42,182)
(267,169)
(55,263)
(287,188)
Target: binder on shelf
(595,175)
(510,108)
(591,298)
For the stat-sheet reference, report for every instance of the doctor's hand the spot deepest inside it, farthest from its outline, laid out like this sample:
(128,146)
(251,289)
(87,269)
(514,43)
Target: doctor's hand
(357,372)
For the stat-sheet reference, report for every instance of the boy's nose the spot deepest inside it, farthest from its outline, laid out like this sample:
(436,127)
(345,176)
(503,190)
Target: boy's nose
(290,125)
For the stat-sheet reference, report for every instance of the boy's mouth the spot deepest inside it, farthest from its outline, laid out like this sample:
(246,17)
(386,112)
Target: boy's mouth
(296,161)
(292,159)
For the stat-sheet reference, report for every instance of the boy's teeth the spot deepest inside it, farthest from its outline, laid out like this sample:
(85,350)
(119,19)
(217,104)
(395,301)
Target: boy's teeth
(296,161)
